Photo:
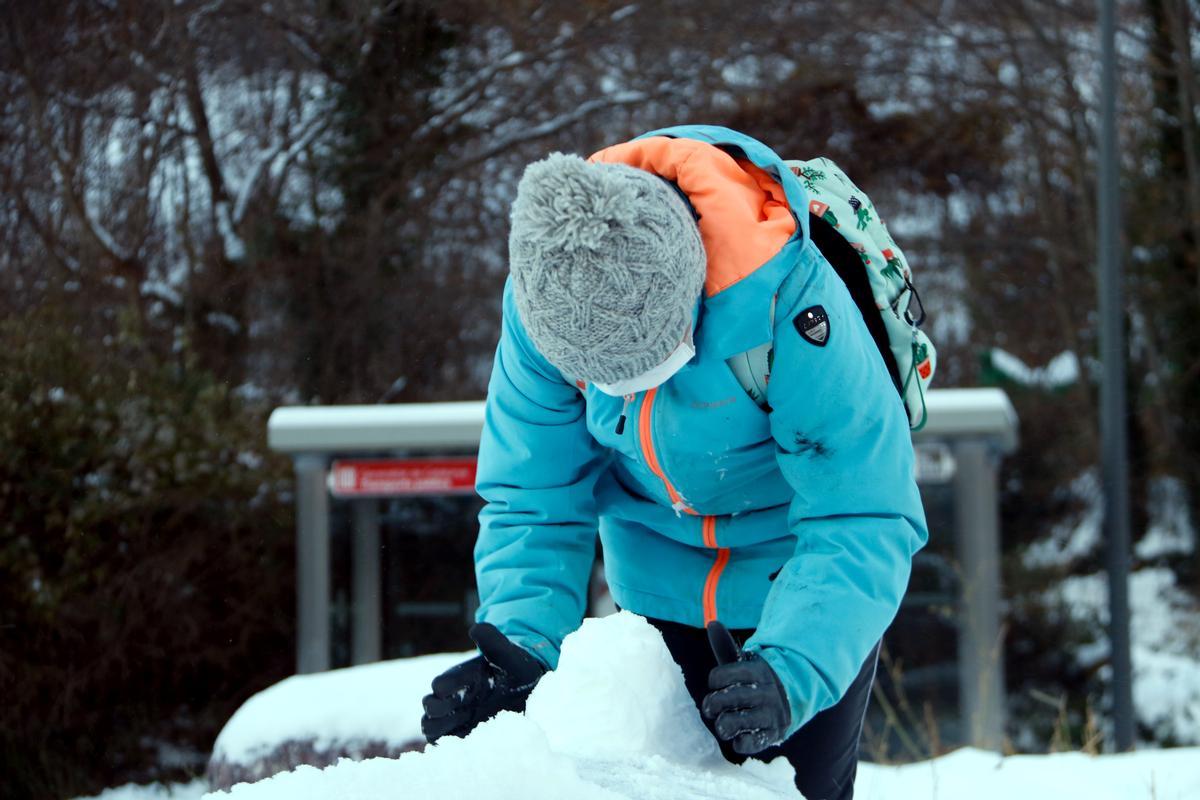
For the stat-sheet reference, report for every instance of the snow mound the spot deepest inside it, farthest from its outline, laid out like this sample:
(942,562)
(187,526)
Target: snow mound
(374,702)
(613,722)
(193,790)
(1165,645)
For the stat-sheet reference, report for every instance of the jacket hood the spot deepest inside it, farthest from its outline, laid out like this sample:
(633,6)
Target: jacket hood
(745,200)
(743,214)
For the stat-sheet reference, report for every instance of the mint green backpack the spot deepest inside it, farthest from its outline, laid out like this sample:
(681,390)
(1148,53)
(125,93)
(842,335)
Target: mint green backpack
(845,228)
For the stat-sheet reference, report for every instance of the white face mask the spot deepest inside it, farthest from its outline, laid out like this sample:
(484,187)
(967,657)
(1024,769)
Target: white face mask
(655,377)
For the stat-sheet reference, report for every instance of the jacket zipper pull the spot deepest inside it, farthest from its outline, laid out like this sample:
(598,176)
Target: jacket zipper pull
(624,413)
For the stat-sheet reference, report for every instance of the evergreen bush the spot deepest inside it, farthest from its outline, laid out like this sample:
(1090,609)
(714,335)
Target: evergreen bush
(146,565)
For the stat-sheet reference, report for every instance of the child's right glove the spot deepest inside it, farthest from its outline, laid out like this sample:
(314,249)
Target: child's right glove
(747,703)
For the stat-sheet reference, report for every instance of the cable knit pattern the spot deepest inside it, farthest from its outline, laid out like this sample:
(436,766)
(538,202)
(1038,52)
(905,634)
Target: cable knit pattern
(607,264)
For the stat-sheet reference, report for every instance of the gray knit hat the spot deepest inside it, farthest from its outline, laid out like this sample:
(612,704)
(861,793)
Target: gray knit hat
(607,265)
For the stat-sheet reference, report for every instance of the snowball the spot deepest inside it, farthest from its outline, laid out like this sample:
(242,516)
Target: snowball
(617,691)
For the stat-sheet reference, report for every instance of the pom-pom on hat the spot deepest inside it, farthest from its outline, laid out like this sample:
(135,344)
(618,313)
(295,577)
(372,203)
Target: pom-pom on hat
(607,264)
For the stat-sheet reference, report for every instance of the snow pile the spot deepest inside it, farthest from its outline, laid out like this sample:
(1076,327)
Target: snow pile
(1165,624)
(374,702)
(613,721)
(1077,538)
(1171,531)
(1165,638)
(623,688)
(193,790)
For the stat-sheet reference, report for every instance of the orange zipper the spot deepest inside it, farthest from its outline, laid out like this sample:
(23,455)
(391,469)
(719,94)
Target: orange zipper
(708,525)
(677,501)
(709,530)
(710,585)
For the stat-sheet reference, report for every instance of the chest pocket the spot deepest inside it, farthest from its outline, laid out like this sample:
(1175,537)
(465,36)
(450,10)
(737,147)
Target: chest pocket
(753,368)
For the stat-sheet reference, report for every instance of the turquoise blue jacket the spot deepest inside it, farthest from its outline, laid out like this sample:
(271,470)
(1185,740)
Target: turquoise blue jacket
(799,521)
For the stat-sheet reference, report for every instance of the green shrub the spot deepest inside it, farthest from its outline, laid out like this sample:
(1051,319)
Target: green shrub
(146,563)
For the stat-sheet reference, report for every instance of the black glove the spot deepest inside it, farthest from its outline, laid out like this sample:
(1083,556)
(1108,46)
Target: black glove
(476,690)
(747,704)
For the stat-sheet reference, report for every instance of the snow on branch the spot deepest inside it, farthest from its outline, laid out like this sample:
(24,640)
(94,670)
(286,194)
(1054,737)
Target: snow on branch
(1062,370)
(63,164)
(623,12)
(556,124)
(199,14)
(456,104)
(271,157)
(233,244)
(143,64)
(106,239)
(468,95)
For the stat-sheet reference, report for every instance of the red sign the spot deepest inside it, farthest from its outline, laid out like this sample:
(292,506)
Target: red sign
(390,477)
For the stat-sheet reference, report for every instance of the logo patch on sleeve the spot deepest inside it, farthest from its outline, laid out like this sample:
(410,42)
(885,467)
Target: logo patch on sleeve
(813,325)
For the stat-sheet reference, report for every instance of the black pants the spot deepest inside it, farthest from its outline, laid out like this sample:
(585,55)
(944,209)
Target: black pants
(824,752)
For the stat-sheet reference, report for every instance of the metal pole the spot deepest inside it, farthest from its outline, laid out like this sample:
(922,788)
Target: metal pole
(1114,457)
(980,643)
(312,564)
(367,629)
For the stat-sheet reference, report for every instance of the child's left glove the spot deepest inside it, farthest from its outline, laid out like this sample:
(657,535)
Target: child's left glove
(500,678)
(747,704)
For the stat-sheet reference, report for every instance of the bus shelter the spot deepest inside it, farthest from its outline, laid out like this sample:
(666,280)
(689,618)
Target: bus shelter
(363,454)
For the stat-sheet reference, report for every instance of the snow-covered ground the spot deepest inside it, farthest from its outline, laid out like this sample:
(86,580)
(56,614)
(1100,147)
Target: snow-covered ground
(614,721)
(967,773)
